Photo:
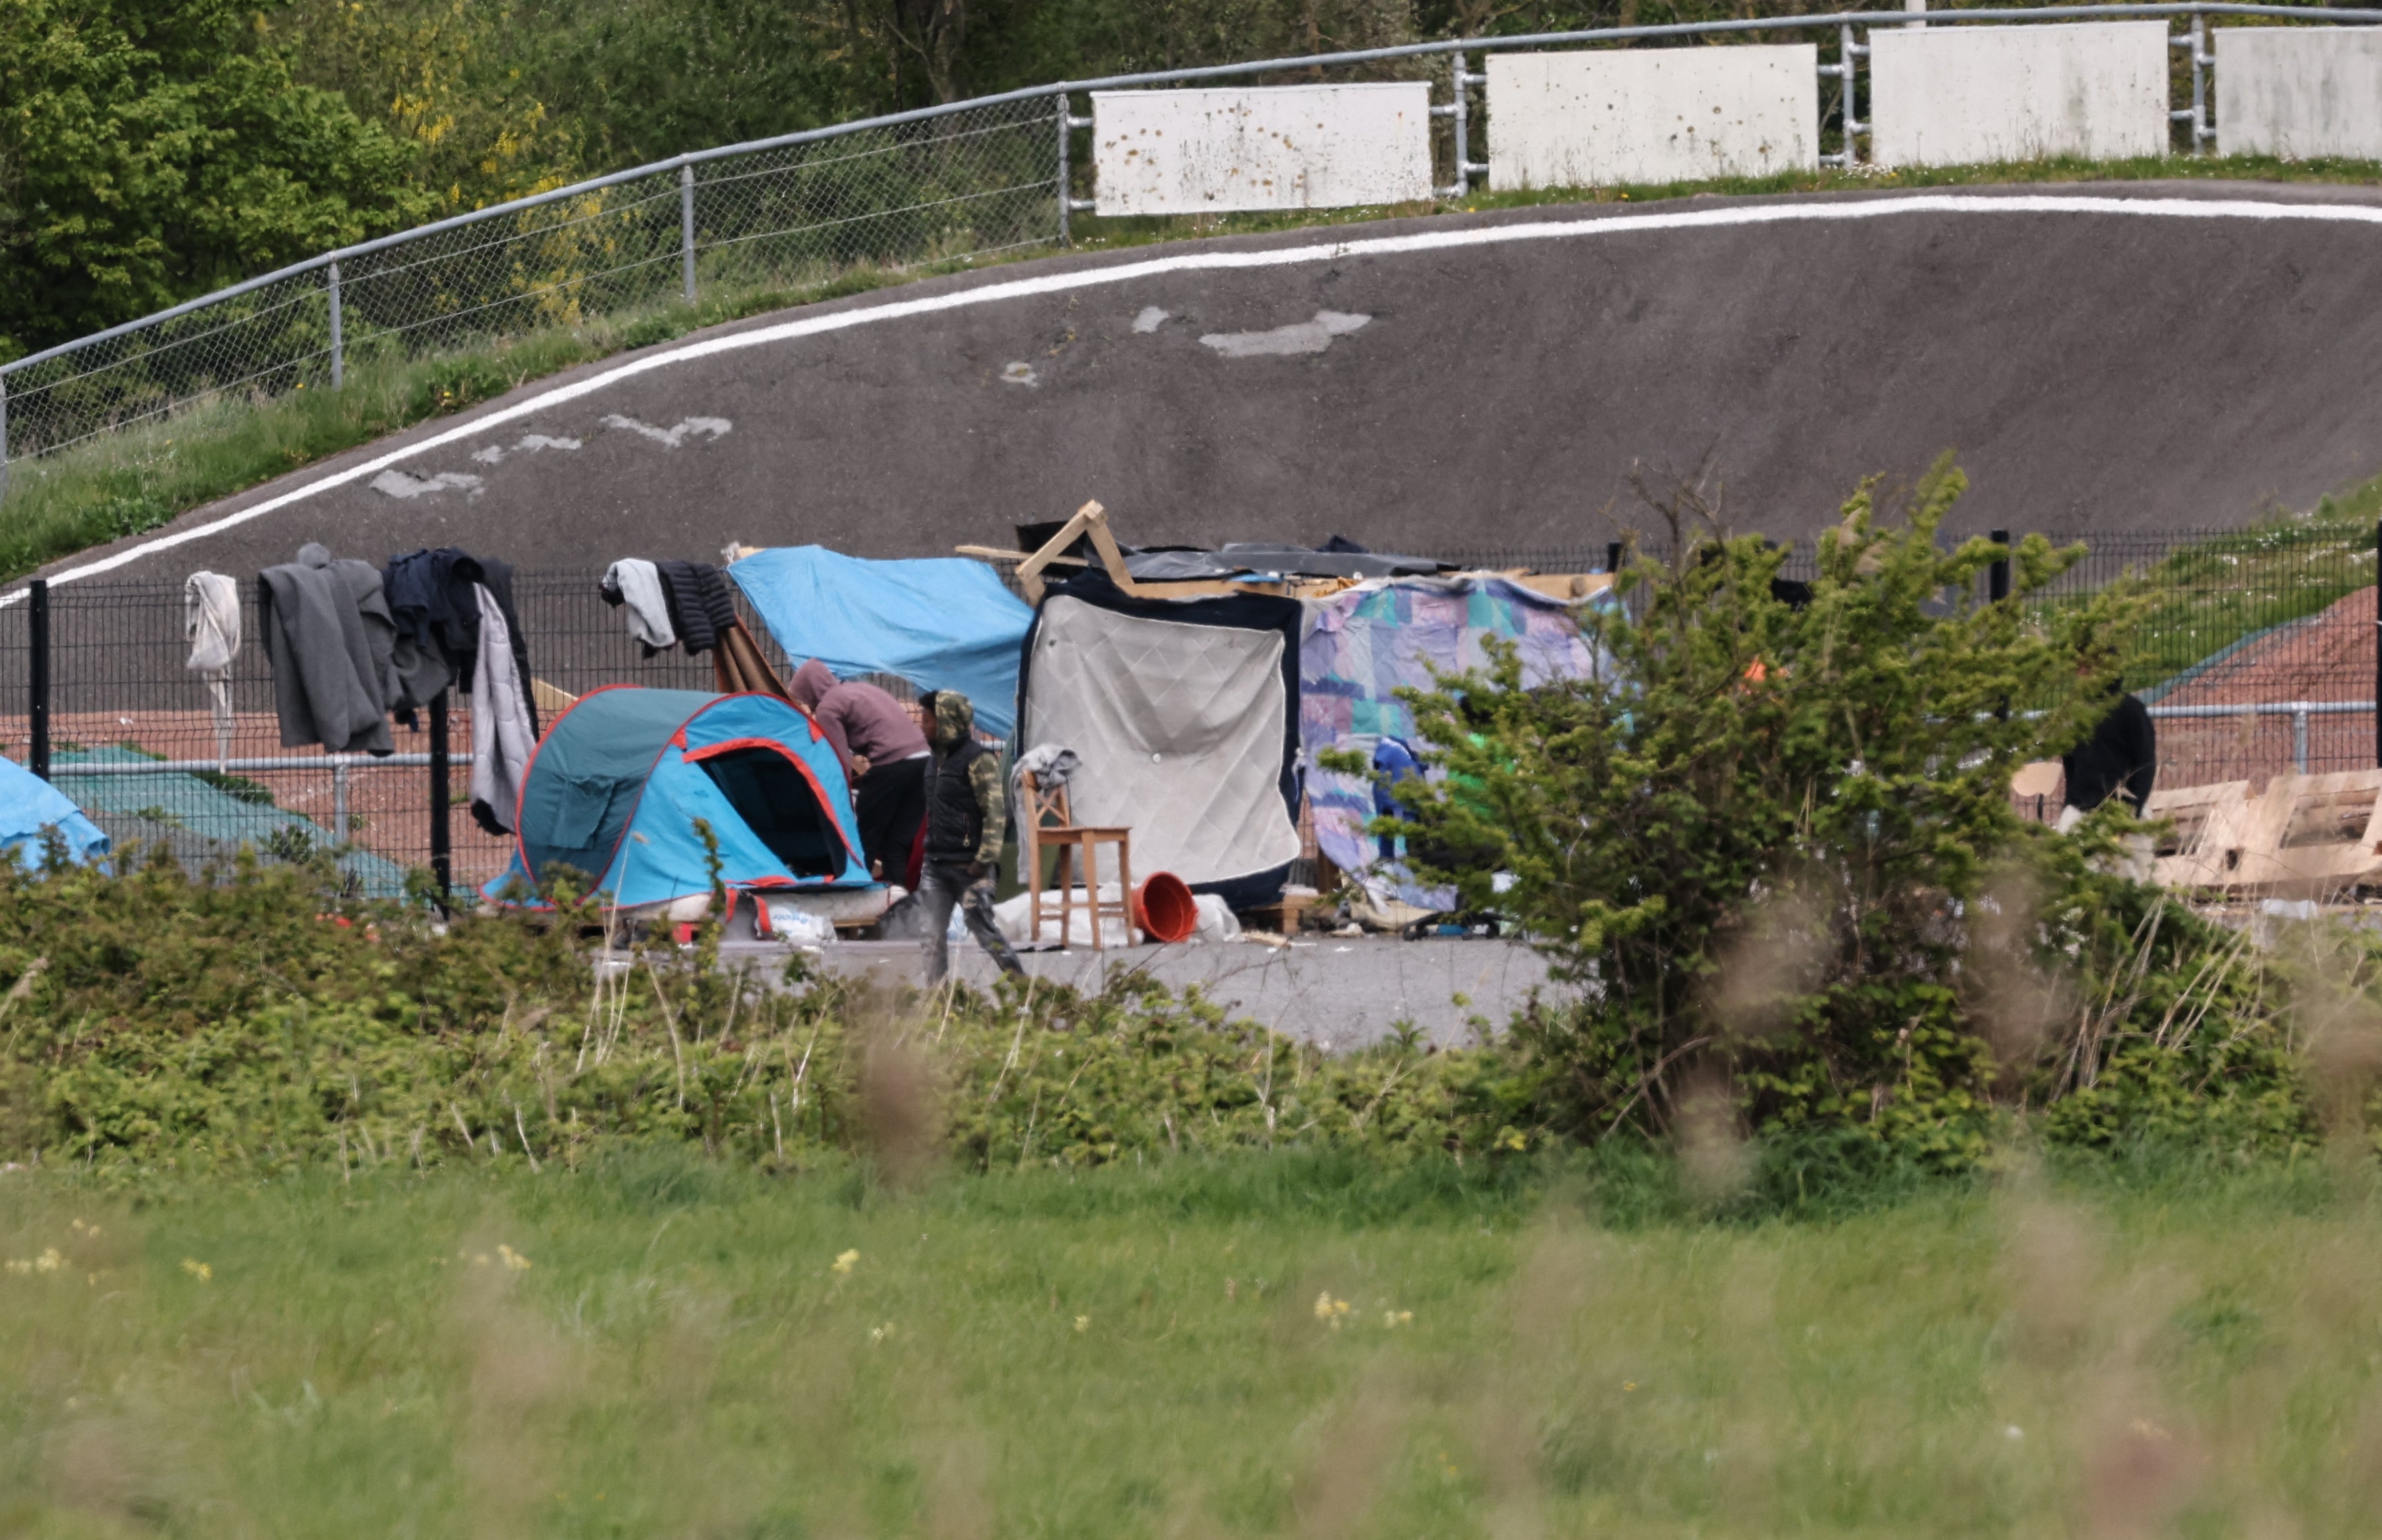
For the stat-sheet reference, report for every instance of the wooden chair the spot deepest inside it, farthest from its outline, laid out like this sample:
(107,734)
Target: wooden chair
(1067,838)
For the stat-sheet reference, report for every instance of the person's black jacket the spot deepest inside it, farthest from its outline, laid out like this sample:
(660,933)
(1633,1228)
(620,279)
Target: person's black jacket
(2120,759)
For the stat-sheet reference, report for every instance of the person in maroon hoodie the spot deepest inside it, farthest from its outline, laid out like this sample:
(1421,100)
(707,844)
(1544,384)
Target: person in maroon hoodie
(884,754)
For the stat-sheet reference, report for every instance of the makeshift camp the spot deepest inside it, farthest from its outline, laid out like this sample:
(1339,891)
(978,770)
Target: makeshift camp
(944,623)
(1185,714)
(620,781)
(1364,643)
(31,807)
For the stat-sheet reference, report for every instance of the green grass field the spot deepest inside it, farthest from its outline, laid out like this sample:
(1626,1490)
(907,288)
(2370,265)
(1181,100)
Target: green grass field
(1267,1345)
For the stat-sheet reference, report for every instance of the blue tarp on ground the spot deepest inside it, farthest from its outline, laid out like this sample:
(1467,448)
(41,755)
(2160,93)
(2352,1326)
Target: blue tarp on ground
(943,623)
(206,816)
(29,804)
(619,781)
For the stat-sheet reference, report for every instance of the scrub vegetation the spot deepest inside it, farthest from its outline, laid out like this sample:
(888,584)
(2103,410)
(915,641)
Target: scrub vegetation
(1890,1166)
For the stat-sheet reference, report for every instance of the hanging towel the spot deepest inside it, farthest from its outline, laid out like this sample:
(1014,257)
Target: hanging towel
(700,605)
(635,583)
(503,733)
(329,638)
(211,625)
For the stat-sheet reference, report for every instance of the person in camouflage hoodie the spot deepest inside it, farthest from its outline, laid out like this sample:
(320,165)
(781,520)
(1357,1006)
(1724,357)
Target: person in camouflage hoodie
(967,809)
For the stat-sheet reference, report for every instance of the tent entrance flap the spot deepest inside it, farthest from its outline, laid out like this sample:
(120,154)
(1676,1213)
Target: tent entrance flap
(778,802)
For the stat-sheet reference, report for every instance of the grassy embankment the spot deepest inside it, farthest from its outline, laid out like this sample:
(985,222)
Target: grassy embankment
(128,482)
(665,1348)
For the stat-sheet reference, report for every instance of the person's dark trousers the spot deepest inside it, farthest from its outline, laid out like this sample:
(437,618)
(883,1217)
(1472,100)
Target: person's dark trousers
(893,805)
(940,887)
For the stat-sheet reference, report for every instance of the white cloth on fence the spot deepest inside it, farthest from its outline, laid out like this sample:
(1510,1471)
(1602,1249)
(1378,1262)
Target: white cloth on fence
(211,625)
(501,739)
(637,584)
(1050,765)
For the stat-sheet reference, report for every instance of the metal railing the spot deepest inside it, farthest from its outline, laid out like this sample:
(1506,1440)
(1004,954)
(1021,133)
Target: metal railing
(939,185)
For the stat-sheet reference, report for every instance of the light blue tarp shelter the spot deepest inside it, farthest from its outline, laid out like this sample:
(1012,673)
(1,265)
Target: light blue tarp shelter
(29,804)
(941,623)
(618,782)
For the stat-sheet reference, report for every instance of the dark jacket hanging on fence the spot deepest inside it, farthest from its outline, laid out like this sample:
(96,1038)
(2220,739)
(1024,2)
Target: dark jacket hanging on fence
(2120,759)
(700,605)
(703,613)
(331,642)
(433,598)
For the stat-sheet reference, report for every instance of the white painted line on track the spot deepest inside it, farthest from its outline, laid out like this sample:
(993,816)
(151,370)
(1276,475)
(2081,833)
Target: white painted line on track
(1225,261)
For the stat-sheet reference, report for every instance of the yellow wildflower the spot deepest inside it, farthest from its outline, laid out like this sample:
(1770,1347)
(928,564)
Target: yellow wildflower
(1083,1323)
(197,1269)
(514,1261)
(1396,1318)
(844,1262)
(49,1261)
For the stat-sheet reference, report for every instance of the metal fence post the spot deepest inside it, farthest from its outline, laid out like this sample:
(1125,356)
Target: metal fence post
(1854,126)
(339,352)
(1066,192)
(686,229)
(442,797)
(4,436)
(37,682)
(2202,131)
(2378,645)
(1462,79)
(1997,575)
(340,801)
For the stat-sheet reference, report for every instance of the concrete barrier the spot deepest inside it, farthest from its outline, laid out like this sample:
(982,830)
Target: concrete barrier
(1277,147)
(2297,93)
(1972,95)
(1655,114)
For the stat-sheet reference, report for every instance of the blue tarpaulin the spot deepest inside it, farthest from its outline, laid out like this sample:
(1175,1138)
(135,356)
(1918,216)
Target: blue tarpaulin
(29,805)
(942,623)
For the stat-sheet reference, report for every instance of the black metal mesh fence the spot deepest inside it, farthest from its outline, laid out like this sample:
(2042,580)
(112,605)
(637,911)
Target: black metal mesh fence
(2250,637)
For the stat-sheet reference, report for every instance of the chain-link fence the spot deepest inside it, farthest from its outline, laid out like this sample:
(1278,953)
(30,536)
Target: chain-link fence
(966,183)
(2259,656)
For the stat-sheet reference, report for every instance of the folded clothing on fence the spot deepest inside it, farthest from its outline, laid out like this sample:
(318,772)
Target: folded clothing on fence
(633,582)
(700,607)
(504,730)
(330,638)
(433,598)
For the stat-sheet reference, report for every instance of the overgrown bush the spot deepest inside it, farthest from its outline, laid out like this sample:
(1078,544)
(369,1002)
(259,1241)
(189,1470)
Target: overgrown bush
(1774,843)
(239,1022)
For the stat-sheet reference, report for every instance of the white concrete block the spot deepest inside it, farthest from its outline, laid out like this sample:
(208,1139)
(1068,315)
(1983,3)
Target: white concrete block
(2300,92)
(1262,147)
(1651,115)
(1972,95)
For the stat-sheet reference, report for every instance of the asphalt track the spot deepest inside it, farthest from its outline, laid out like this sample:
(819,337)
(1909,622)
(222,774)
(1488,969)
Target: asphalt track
(2145,356)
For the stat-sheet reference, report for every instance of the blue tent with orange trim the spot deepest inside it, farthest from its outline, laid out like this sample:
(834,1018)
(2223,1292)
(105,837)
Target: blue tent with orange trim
(620,780)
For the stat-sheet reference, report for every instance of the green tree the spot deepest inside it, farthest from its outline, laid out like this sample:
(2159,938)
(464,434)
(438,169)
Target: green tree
(151,149)
(1755,838)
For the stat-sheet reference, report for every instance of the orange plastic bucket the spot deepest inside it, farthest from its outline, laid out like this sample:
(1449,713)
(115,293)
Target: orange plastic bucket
(1163,906)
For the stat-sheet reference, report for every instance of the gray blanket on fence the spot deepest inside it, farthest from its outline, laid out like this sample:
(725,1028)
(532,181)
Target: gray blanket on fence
(330,638)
